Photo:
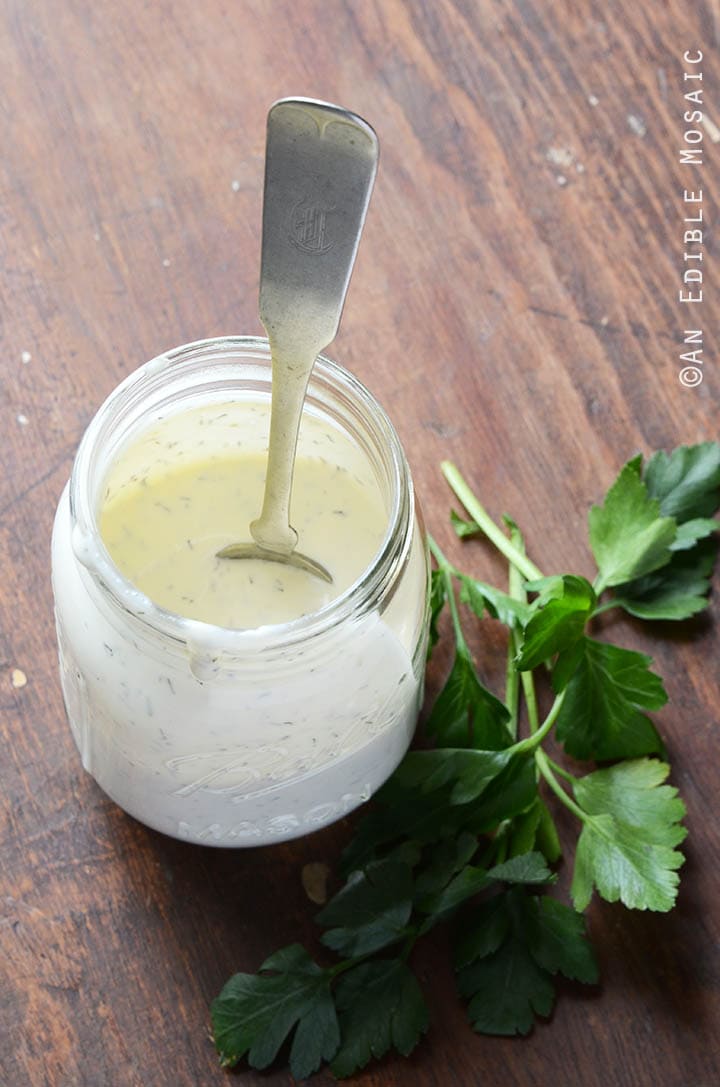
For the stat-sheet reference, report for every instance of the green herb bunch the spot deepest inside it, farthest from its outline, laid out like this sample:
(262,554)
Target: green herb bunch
(463,832)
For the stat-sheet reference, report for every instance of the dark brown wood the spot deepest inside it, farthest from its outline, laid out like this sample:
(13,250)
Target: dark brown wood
(515,307)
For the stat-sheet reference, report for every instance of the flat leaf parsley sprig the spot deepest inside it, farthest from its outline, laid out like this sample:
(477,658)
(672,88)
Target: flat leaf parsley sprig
(463,833)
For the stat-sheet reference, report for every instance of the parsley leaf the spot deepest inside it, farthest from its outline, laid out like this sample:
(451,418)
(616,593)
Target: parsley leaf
(380,1007)
(255,1013)
(558,942)
(628,535)
(400,815)
(631,826)
(506,990)
(600,717)
(690,532)
(529,868)
(686,481)
(526,868)
(508,950)
(465,713)
(677,591)
(407,813)
(513,791)
(559,624)
(547,588)
(462,526)
(470,770)
(481,597)
(482,931)
(370,911)
(466,884)
(443,861)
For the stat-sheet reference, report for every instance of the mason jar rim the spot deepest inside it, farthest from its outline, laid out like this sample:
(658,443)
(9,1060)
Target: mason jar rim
(359,598)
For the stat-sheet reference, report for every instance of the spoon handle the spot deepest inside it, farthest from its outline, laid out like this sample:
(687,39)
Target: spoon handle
(320,166)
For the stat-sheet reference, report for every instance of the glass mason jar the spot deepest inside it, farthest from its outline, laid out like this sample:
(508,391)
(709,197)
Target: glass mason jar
(238,737)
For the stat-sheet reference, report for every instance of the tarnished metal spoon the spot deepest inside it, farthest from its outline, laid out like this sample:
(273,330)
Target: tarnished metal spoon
(320,165)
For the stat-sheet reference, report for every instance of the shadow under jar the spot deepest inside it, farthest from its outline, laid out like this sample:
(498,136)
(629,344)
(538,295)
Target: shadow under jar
(239,737)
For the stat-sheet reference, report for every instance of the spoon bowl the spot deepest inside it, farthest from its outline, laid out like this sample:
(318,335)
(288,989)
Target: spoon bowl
(292,558)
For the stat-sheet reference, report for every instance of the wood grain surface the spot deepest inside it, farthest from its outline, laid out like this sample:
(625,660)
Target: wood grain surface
(515,308)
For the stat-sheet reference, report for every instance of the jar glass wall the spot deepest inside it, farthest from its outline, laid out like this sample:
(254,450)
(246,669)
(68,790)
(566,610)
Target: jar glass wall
(238,737)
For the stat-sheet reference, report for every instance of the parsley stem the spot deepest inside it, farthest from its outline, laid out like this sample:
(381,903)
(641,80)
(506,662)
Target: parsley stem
(501,840)
(604,607)
(512,683)
(409,944)
(516,589)
(528,684)
(436,552)
(561,770)
(347,964)
(512,686)
(540,733)
(543,765)
(485,522)
(448,570)
(599,585)
(457,625)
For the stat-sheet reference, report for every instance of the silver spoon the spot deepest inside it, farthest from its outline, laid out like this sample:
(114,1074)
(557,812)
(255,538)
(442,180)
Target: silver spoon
(320,165)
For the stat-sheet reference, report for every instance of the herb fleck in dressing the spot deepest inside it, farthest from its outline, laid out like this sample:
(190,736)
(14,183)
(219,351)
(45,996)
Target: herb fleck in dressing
(194,483)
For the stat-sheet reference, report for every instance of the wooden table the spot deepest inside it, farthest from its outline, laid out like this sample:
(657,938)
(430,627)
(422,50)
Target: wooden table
(514,306)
